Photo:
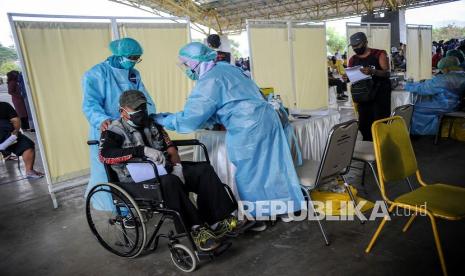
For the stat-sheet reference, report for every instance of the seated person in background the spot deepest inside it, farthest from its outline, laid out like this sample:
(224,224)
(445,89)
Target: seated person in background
(10,126)
(439,95)
(458,54)
(336,65)
(134,136)
(340,86)
(437,57)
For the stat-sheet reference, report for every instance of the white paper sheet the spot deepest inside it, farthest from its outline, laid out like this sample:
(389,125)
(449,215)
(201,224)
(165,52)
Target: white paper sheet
(144,171)
(354,74)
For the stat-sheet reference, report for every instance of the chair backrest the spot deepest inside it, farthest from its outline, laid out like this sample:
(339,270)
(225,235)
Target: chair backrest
(406,112)
(394,153)
(338,150)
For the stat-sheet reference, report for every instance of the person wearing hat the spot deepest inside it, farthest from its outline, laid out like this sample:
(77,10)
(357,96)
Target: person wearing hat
(255,140)
(458,54)
(375,63)
(135,136)
(436,96)
(102,85)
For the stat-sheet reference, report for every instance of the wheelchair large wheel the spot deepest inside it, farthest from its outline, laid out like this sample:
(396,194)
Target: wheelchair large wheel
(183,258)
(116,220)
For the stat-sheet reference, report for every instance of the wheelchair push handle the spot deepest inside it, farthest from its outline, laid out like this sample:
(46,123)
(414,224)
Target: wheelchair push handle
(93,142)
(192,142)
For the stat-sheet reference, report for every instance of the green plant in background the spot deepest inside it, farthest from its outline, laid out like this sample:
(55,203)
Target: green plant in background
(8,66)
(447,32)
(335,41)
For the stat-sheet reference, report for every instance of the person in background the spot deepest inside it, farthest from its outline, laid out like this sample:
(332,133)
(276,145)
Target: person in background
(18,143)
(14,89)
(344,59)
(436,96)
(336,65)
(22,87)
(214,42)
(338,55)
(375,63)
(255,140)
(102,86)
(459,55)
(437,57)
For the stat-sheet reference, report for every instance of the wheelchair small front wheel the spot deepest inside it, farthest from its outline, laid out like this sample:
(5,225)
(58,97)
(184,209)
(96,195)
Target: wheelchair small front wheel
(116,220)
(183,258)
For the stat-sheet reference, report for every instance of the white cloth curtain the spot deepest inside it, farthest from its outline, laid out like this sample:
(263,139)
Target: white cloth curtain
(311,76)
(271,61)
(291,58)
(419,56)
(56,55)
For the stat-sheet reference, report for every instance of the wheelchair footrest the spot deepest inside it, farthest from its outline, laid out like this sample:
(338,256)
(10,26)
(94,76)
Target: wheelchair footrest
(215,253)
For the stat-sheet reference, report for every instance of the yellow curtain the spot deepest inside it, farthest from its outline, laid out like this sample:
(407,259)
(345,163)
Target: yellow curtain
(419,54)
(56,55)
(271,62)
(166,83)
(311,77)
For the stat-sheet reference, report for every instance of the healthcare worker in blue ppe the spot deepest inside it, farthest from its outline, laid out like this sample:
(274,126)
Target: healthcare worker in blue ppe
(439,95)
(255,140)
(102,86)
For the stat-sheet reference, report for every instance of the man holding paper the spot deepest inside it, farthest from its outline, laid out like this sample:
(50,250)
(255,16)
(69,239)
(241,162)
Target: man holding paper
(135,136)
(373,63)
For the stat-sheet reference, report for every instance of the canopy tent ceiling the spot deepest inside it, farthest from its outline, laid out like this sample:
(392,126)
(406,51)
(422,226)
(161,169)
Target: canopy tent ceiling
(229,16)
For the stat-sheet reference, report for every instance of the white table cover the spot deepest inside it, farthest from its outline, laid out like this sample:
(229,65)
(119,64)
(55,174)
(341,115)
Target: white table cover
(400,97)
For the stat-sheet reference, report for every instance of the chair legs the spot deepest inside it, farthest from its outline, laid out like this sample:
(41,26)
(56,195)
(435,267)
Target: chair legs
(351,195)
(380,227)
(310,203)
(409,223)
(438,244)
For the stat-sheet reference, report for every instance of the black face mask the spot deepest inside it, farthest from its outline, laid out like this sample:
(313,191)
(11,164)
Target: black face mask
(140,118)
(361,50)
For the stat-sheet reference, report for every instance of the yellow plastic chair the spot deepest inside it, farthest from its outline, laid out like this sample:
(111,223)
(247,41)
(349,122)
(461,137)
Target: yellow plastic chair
(396,161)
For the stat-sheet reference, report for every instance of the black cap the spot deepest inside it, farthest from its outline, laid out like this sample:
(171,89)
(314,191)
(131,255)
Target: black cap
(132,99)
(358,38)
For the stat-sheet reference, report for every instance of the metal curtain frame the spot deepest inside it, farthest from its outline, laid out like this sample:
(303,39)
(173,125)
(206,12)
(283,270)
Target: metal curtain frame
(420,39)
(112,21)
(290,38)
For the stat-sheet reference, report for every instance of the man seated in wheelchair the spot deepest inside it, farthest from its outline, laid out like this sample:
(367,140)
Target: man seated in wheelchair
(134,136)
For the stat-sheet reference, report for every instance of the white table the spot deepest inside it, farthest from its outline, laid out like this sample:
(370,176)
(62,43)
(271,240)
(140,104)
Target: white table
(311,135)
(400,97)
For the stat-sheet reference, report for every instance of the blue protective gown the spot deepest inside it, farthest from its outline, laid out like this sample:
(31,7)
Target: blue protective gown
(102,86)
(255,141)
(439,95)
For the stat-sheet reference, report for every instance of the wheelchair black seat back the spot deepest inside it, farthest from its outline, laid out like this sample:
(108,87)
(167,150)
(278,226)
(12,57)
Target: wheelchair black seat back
(118,214)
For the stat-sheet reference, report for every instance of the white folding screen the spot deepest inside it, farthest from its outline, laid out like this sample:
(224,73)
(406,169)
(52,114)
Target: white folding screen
(419,55)
(378,34)
(290,57)
(73,44)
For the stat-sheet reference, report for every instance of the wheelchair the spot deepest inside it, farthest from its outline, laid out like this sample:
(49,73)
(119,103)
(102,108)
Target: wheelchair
(109,205)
